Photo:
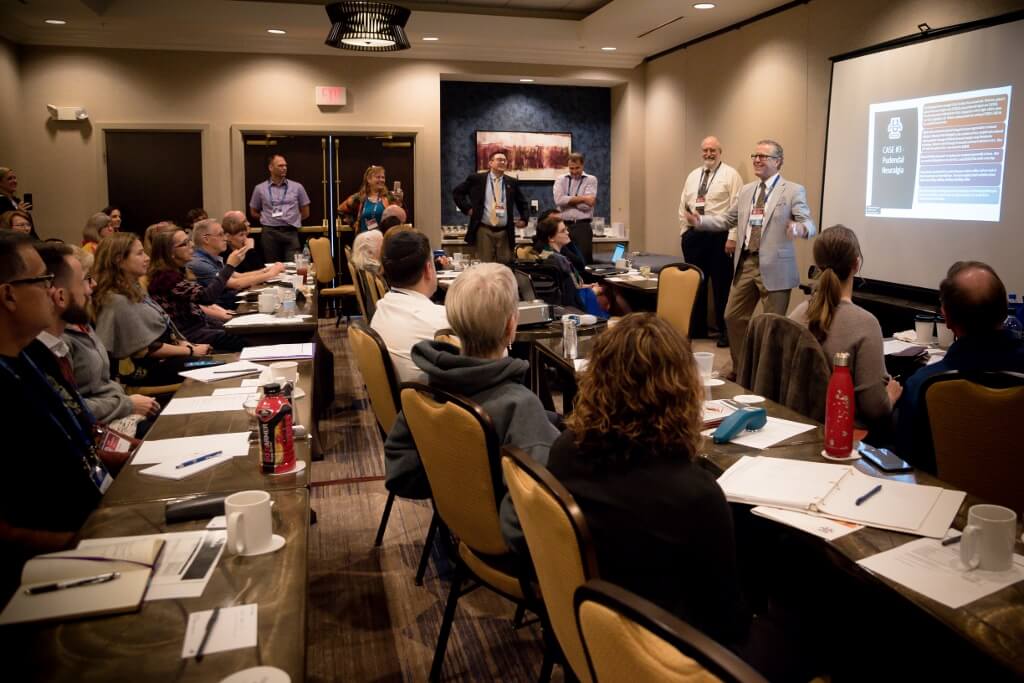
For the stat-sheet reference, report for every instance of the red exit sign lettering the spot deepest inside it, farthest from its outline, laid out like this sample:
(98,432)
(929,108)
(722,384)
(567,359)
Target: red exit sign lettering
(330,96)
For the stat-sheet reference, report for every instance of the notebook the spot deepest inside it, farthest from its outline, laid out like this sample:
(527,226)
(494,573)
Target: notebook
(132,562)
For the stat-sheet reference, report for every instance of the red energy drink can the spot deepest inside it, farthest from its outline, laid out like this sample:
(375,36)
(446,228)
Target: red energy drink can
(277,446)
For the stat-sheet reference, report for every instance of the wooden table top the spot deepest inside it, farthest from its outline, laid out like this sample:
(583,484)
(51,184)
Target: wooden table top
(993,625)
(296,330)
(238,474)
(146,645)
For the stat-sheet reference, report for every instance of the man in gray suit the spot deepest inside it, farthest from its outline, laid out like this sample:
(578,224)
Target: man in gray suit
(768,215)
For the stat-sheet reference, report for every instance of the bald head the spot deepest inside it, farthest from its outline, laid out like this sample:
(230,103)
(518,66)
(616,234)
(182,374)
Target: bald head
(973,298)
(710,151)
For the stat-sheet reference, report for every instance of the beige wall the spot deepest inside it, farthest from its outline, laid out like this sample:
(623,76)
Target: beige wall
(10,82)
(223,94)
(769,79)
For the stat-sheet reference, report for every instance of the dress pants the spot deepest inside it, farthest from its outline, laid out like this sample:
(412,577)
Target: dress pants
(492,245)
(279,243)
(706,250)
(747,290)
(582,235)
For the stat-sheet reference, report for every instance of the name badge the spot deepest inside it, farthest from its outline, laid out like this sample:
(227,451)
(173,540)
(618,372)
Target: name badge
(276,213)
(756,217)
(371,223)
(101,478)
(699,205)
(499,210)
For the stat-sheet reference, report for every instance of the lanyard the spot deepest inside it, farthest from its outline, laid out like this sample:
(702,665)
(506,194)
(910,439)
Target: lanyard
(703,189)
(270,192)
(767,194)
(578,187)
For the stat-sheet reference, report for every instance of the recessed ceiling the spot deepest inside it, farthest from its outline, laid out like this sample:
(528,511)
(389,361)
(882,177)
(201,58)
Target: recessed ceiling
(557,32)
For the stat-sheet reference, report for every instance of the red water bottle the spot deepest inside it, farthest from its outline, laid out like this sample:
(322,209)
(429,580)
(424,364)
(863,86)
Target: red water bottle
(277,447)
(839,402)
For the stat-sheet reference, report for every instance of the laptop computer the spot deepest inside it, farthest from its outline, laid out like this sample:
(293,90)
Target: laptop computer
(609,268)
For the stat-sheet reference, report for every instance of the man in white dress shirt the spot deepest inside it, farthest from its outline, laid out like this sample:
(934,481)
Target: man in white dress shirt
(575,196)
(710,189)
(405,315)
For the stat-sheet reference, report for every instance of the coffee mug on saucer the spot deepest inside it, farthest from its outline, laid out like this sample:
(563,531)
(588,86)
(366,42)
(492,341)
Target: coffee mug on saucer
(250,528)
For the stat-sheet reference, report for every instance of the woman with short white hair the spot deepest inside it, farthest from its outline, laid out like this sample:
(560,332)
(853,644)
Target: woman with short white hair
(482,308)
(366,250)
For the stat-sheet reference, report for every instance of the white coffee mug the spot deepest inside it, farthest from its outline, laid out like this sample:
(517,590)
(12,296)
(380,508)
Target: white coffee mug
(250,528)
(267,302)
(924,331)
(945,335)
(988,538)
(705,363)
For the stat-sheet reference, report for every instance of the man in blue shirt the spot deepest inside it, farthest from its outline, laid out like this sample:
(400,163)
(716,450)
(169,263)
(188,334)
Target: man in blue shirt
(280,205)
(210,242)
(974,306)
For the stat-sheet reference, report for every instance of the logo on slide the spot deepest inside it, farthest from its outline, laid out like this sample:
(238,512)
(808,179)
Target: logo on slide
(895,128)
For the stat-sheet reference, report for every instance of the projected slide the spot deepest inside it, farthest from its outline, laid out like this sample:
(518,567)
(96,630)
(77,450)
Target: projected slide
(938,157)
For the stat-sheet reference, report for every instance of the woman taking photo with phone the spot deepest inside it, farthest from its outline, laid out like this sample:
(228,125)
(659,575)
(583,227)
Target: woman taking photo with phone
(365,208)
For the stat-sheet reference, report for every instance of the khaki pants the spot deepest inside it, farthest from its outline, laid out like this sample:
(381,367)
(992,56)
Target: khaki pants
(747,289)
(492,245)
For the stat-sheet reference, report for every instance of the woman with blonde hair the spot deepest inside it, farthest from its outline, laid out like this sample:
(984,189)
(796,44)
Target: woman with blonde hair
(841,325)
(128,322)
(8,186)
(19,221)
(365,208)
(96,229)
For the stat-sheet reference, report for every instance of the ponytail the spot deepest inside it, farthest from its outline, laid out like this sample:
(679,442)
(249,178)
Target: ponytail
(824,302)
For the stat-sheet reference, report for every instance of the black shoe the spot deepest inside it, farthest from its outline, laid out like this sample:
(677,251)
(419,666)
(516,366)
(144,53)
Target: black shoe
(723,342)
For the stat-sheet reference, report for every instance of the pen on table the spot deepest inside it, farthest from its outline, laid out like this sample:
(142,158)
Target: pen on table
(867,495)
(206,634)
(198,459)
(72,583)
(951,540)
(237,372)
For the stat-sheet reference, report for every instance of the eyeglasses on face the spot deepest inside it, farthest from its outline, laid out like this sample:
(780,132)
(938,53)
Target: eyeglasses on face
(762,157)
(186,243)
(46,280)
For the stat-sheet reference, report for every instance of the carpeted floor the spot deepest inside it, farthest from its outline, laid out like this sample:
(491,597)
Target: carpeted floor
(367,619)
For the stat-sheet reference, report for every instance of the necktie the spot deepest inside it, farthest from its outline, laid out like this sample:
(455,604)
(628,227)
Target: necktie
(755,230)
(494,200)
(67,371)
(703,184)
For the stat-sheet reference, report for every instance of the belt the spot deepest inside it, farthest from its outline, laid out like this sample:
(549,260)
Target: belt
(747,252)
(493,227)
(577,221)
(282,227)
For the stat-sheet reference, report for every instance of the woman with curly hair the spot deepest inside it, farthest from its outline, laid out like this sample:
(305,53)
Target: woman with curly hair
(660,523)
(365,208)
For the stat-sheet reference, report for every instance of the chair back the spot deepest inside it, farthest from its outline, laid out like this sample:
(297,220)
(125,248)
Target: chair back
(378,373)
(458,446)
(678,284)
(376,287)
(357,281)
(525,285)
(975,434)
(781,360)
(549,283)
(323,262)
(628,638)
(560,546)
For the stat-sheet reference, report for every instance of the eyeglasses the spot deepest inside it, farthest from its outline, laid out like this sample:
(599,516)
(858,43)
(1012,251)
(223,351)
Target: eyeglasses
(762,157)
(46,280)
(186,243)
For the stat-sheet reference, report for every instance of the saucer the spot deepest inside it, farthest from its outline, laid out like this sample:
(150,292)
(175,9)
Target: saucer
(713,382)
(299,466)
(854,455)
(276,543)
(259,674)
(749,399)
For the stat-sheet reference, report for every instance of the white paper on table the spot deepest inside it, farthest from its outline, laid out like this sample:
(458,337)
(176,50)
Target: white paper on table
(251,382)
(204,404)
(246,390)
(264,319)
(822,527)
(277,351)
(776,430)
(176,450)
(895,346)
(234,629)
(215,373)
(580,364)
(935,355)
(936,572)
(170,470)
(218,523)
(179,553)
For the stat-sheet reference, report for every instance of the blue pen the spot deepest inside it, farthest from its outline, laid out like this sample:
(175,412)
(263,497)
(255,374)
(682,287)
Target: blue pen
(201,458)
(869,494)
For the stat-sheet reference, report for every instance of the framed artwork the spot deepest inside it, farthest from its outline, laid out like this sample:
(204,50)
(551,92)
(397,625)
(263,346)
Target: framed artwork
(531,156)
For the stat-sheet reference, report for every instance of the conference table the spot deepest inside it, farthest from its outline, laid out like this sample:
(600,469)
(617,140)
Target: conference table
(300,328)
(988,633)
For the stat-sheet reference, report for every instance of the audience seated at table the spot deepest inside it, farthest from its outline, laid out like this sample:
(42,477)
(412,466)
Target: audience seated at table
(162,226)
(973,300)
(236,227)
(96,229)
(366,250)
(569,251)
(193,216)
(406,315)
(129,323)
(392,216)
(182,298)
(841,325)
(57,476)
(551,237)
(210,241)
(483,308)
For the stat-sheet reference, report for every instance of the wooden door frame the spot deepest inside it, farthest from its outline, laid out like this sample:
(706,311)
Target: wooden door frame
(103,189)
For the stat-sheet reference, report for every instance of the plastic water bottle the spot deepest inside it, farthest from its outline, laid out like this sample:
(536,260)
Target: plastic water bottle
(839,409)
(1013,324)
(570,348)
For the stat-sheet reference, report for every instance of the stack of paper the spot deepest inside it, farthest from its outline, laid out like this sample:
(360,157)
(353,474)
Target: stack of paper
(776,430)
(204,404)
(253,319)
(216,373)
(277,352)
(155,452)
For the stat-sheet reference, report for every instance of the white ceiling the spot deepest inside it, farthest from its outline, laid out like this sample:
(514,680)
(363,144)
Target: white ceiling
(560,32)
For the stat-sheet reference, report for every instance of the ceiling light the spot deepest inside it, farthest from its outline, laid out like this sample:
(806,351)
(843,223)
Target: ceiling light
(609,49)
(56,22)
(368,26)
(526,80)
(431,38)
(704,5)
(277,31)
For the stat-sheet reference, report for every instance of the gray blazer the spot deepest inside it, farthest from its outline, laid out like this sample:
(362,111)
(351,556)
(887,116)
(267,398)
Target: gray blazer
(787,202)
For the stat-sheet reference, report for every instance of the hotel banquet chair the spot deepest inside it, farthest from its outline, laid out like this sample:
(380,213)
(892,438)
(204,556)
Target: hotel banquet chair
(358,282)
(627,638)
(560,548)
(381,382)
(320,250)
(459,448)
(782,361)
(974,429)
(678,284)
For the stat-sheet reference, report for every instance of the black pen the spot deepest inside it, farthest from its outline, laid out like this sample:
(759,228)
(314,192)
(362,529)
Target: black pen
(238,372)
(952,540)
(198,459)
(206,634)
(72,583)
(870,493)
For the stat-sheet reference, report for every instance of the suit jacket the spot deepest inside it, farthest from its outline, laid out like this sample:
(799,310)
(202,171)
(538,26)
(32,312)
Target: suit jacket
(787,202)
(470,193)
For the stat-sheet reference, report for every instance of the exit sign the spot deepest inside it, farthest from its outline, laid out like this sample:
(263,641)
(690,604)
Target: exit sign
(330,96)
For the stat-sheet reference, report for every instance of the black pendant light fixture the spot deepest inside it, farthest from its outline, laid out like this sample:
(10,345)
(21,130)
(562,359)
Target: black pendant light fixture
(367,26)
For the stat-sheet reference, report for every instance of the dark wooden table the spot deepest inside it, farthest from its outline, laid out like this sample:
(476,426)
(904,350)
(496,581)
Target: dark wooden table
(296,330)
(146,646)
(238,474)
(992,627)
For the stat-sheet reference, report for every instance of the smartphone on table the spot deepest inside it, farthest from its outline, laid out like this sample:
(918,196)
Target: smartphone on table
(883,459)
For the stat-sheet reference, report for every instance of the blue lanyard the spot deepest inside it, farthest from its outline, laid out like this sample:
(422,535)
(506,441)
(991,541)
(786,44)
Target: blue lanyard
(578,187)
(270,193)
(767,194)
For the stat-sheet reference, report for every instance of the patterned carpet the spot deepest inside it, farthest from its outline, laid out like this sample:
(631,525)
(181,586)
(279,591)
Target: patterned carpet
(367,619)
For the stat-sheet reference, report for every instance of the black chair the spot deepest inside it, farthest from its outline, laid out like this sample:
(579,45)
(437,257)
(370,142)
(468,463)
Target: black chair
(551,284)
(525,285)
